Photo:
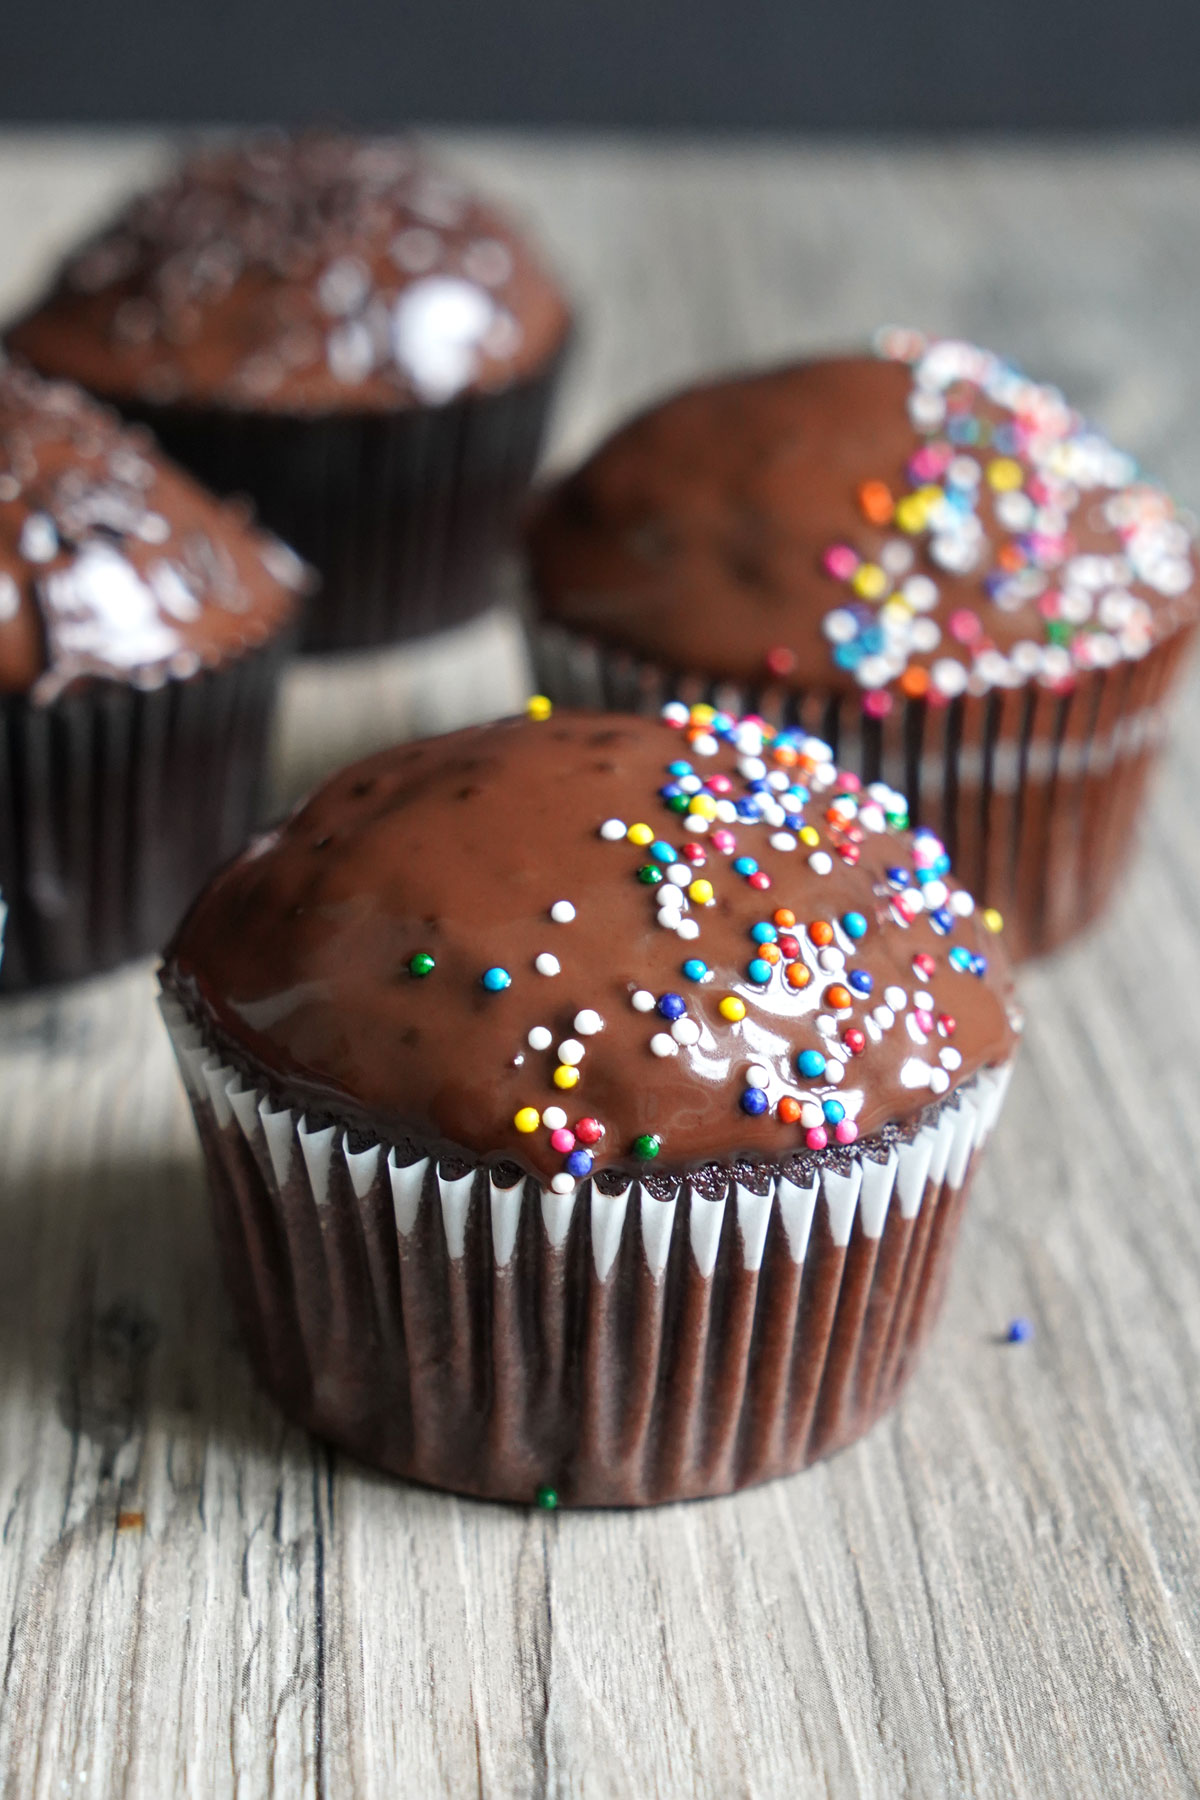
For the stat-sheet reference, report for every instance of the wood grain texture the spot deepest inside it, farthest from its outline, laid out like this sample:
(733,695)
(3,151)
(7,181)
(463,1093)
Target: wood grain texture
(997,1593)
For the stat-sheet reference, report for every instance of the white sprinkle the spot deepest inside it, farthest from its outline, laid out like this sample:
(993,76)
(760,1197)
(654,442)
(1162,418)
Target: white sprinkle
(950,1059)
(562,1183)
(752,767)
(667,894)
(670,918)
(884,1017)
(896,998)
(820,862)
(39,539)
(914,1030)
(588,1022)
(835,1072)
(831,960)
(811,1116)
(962,903)
(688,928)
(923,998)
(757,1076)
(546,964)
(612,829)
(675,713)
(782,840)
(643,1001)
(939,1081)
(936,893)
(562,912)
(826,1024)
(554,1118)
(696,824)
(662,1044)
(726,813)
(685,1031)
(540,1038)
(10,598)
(571,1052)
(706,745)
(680,874)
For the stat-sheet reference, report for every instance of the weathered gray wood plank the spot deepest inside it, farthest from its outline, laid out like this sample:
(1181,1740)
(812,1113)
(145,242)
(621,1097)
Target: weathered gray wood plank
(998,1593)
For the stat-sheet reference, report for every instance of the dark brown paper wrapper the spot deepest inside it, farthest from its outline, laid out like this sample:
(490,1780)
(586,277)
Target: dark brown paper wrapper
(620,1351)
(402,514)
(1036,795)
(116,804)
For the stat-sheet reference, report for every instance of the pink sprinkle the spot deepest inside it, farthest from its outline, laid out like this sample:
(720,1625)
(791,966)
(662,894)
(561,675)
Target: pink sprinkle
(840,561)
(817,1138)
(846,1132)
(924,1019)
(724,841)
(1048,604)
(562,1140)
(965,626)
(877,704)
(718,784)
(929,462)
(850,784)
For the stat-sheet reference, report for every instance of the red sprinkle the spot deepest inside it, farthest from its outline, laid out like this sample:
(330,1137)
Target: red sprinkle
(589,1131)
(760,880)
(924,966)
(855,1040)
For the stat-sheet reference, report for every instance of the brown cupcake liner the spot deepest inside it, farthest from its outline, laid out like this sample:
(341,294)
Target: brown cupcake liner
(402,514)
(117,803)
(1035,794)
(619,1348)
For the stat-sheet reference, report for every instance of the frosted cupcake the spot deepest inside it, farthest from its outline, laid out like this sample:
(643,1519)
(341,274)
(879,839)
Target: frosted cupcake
(336,327)
(143,627)
(589,1105)
(923,556)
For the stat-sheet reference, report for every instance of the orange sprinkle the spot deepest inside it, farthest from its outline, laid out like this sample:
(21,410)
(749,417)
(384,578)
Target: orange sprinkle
(797,974)
(821,932)
(769,952)
(788,1109)
(914,682)
(876,501)
(785,756)
(839,997)
(784,917)
(1011,557)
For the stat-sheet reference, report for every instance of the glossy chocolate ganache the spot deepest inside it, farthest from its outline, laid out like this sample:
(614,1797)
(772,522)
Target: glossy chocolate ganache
(300,275)
(592,943)
(927,519)
(113,563)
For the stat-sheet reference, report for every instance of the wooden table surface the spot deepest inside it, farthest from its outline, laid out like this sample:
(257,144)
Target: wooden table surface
(997,1593)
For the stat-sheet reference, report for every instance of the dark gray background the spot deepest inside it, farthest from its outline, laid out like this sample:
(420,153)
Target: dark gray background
(703,64)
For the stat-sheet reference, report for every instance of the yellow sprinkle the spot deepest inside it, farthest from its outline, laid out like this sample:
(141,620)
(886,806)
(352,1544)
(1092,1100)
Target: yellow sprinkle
(701,892)
(565,1076)
(1005,474)
(992,919)
(732,1008)
(538,707)
(809,835)
(869,581)
(527,1118)
(640,834)
(703,714)
(910,514)
(895,611)
(703,804)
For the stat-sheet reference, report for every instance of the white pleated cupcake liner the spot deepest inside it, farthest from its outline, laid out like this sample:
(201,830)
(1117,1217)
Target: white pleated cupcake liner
(620,1348)
(1035,794)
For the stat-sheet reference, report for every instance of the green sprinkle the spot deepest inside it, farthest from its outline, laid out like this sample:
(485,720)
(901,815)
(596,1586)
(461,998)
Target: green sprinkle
(547,1498)
(650,874)
(647,1146)
(421,964)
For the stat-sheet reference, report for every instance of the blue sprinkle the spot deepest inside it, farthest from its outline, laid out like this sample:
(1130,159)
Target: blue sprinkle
(860,981)
(663,853)
(898,877)
(579,1163)
(695,970)
(748,811)
(496,980)
(754,1100)
(811,1064)
(722,724)
(834,1111)
(979,965)
(942,865)
(679,769)
(1019,1331)
(872,639)
(960,959)
(671,791)
(759,972)
(942,920)
(672,1006)
(854,924)
(848,656)
(745,865)
(763,933)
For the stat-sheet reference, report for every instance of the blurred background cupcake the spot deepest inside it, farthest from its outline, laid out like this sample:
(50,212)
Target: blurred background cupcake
(336,327)
(922,556)
(589,1104)
(143,628)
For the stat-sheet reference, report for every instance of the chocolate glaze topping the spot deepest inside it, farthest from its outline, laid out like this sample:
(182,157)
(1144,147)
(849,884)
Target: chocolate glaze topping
(299,956)
(927,515)
(300,275)
(113,563)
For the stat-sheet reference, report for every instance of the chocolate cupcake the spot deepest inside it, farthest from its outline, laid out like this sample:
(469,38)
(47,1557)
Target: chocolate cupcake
(922,556)
(589,1106)
(142,631)
(337,328)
